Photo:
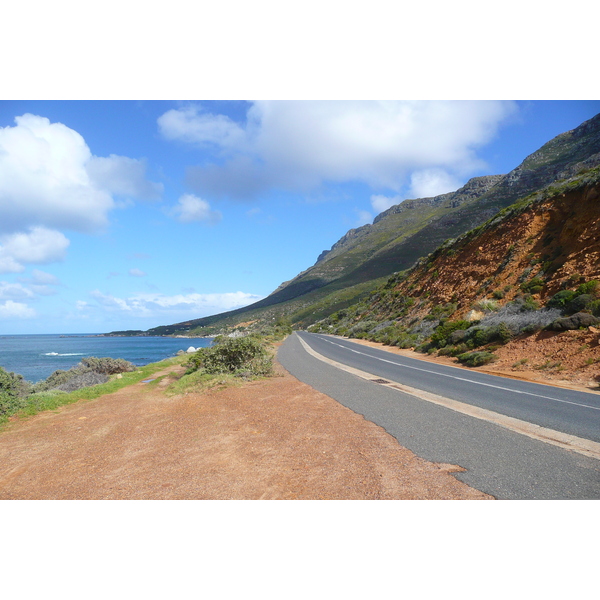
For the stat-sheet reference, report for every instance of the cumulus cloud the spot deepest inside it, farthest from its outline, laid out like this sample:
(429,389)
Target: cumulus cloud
(180,305)
(50,181)
(39,246)
(16,310)
(300,145)
(190,208)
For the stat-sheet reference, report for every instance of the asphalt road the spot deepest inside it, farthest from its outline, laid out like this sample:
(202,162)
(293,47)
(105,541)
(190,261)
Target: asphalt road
(500,462)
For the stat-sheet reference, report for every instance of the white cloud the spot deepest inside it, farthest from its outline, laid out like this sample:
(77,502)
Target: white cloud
(43,178)
(41,283)
(190,208)
(432,182)
(191,124)
(186,306)
(137,273)
(381,203)
(49,177)
(124,176)
(300,145)
(43,278)
(14,291)
(16,310)
(364,217)
(39,246)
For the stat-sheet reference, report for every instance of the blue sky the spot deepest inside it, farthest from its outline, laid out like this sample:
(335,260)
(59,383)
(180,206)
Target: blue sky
(133,214)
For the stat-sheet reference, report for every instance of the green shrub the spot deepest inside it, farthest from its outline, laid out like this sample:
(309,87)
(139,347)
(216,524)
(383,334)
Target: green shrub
(589,287)
(108,366)
(477,358)
(533,286)
(13,390)
(244,356)
(580,303)
(561,299)
(440,337)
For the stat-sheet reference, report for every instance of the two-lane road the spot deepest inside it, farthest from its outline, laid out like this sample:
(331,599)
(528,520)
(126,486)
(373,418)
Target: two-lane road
(569,411)
(499,461)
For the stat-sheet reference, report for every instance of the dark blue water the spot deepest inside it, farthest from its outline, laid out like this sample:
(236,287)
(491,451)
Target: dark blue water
(38,356)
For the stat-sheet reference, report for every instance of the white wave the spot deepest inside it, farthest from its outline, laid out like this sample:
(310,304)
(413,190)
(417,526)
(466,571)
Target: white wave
(67,354)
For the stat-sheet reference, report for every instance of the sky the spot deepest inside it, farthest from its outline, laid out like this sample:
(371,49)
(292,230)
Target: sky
(133,214)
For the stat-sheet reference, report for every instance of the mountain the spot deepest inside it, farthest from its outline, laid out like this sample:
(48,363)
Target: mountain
(399,236)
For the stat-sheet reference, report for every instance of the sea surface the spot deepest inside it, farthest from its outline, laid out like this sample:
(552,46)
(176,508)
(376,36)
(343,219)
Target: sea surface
(38,356)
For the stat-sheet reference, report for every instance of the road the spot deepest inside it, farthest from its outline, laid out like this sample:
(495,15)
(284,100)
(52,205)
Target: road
(499,461)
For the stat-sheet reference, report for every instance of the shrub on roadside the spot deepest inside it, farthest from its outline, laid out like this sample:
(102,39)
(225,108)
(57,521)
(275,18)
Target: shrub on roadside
(246,356)
(477,358)
(12,392)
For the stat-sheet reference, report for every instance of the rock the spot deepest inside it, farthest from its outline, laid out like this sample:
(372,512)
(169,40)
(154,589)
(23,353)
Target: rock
(180,352)
(474,315)
(191,350)
(574,322)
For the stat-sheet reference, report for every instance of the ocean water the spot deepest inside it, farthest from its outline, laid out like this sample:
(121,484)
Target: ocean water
(38,356)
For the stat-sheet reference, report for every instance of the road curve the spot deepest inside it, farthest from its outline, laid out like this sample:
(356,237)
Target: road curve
(499,461)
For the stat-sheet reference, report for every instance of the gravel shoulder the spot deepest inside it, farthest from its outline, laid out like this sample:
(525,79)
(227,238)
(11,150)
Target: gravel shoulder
(275,438)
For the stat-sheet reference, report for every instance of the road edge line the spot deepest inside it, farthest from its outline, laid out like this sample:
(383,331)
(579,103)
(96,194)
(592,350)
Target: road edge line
(550,436)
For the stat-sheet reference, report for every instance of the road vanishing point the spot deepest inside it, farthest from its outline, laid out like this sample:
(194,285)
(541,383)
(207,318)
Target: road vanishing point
(516,439)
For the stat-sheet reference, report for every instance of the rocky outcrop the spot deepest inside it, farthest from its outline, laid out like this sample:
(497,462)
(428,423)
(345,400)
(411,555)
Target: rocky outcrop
(575,321)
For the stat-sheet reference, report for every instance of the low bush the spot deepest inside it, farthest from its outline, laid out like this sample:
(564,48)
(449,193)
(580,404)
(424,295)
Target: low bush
(589,287)
(108,366)
(561,299)
(440,337)
(477,358)
(13,391)
(81,380)
(533,286)
(90,371)
(519,320)
(245,356)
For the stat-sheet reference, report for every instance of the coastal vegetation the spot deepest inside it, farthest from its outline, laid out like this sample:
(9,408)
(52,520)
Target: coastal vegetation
(230,360)
(92,378)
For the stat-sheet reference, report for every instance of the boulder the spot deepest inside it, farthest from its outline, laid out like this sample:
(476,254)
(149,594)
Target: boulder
(474,315)
(575,321)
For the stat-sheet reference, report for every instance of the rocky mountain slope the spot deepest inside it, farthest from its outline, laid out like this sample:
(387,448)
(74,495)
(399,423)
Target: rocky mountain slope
(521,292)
(404,233)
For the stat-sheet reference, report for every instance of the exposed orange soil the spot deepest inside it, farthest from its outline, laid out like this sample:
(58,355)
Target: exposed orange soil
(272,439)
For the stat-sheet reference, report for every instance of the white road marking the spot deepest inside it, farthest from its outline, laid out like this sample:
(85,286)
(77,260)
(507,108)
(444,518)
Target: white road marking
(498,387)
(549,436)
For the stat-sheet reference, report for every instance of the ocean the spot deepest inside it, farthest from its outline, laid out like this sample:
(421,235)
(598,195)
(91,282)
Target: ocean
(38,356)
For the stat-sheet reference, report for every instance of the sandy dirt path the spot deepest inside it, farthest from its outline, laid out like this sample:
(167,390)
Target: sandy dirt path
(272,439)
